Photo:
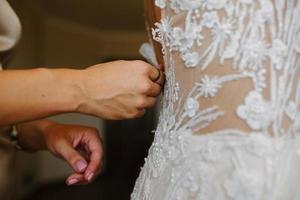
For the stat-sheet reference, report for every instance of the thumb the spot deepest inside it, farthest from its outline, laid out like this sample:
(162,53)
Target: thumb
(68,153)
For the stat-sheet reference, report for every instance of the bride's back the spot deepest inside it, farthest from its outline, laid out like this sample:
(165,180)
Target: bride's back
(232,68)
(230,64)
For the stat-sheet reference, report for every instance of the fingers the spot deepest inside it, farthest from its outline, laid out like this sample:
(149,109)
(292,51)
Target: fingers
(76,179)
(150,88)
(92,143)
(145,102)
(140,113)
(150,102)
(156,75)
(74,159)
(154,90)
(94,146)
(161,79)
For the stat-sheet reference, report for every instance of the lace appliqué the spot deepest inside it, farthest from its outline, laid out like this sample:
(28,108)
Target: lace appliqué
(256,111)
(260,38)
(246,42)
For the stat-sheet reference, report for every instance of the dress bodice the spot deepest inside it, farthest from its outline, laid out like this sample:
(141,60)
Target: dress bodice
(232,64)
(229,119)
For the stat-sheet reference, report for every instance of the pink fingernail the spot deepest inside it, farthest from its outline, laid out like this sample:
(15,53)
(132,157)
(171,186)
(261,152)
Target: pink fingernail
(90,176)
(80,166)
(72,181)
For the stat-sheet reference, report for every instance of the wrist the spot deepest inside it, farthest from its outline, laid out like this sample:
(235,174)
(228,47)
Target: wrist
(68,88)
(32,135)
(79,83)
(83,78)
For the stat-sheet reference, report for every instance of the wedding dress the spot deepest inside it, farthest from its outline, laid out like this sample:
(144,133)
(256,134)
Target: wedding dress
(229,122)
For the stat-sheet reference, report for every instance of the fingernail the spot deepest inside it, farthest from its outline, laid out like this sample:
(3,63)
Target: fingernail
(72,181)
(90,176)
(80,166)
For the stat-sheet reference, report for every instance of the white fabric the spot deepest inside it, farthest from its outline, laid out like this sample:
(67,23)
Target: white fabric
(230,119)
(10,29)
(147,51)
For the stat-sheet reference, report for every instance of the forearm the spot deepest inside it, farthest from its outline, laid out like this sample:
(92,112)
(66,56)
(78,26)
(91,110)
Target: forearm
(31,134)
(27,95)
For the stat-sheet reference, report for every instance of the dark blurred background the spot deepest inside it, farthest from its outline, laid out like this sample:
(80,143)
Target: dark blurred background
(76,33)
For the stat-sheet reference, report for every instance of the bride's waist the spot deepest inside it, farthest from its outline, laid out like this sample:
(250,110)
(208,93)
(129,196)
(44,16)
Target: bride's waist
(255,142)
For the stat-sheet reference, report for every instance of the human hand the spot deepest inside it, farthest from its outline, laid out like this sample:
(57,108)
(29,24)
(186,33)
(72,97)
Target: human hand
(81,147)
(120,89)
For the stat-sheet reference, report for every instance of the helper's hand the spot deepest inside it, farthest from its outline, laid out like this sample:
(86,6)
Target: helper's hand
(80,147)
(120,89)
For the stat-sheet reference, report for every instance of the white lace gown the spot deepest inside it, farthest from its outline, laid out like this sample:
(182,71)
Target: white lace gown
(230,121)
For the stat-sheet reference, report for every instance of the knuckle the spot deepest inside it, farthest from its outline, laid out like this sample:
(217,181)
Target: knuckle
(139,114)
(158,89)
(136,113)
(153,102)
(141,102)
(129,115)
(145,87)
(73,158)
(143,66)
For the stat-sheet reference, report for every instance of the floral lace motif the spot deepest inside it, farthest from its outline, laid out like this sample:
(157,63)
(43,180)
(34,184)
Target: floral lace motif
(253,34)
(262,40)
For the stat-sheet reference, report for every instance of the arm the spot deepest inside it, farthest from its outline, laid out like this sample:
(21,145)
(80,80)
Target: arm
(115,90)
(32,94)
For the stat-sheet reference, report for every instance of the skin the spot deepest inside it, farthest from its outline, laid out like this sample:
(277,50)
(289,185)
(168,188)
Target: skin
(116,90)
(80,146)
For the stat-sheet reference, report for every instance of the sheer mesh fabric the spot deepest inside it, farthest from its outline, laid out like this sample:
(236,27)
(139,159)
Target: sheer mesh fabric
(229,119)
(250,42)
